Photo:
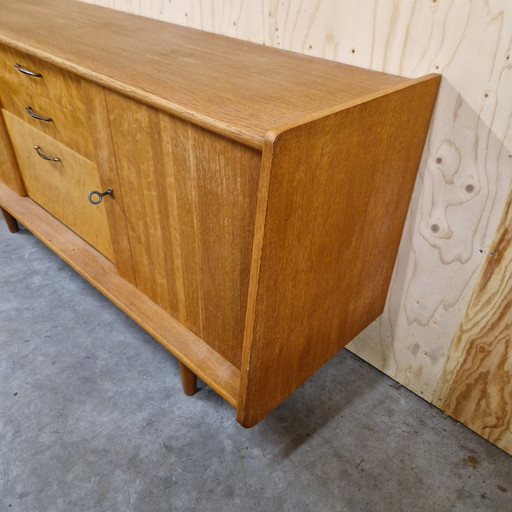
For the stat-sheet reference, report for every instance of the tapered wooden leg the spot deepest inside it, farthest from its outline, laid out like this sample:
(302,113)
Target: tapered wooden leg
(11,222)
(188,380)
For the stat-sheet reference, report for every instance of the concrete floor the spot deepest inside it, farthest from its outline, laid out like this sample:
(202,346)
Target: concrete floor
(92,418)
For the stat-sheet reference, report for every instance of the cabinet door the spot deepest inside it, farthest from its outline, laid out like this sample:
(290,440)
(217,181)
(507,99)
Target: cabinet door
(189,202)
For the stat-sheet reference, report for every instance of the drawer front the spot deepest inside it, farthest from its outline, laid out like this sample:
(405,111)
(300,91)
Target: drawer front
(53,83)
(61,187)
(51,118)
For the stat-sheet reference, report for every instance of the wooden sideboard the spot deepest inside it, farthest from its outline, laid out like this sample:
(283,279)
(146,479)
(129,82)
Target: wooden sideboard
(253,201)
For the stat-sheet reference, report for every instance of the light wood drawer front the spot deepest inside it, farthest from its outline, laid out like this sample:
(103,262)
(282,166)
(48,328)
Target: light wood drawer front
(60,86)
(66,126)
(61,187)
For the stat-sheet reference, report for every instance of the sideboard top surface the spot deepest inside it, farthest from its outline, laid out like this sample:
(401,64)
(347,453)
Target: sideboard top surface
(237,88)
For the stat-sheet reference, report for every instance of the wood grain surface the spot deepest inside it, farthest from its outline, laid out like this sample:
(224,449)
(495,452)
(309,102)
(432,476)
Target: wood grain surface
(66,126)
(189,199)
(61,187)
(338,193)
(476,384)
(466,170)
(54,83)
(105,158)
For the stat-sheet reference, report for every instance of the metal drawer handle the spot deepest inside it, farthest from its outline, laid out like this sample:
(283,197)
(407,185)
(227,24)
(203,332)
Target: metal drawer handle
(44,157)
(25,71)
(100,195)
(37,116)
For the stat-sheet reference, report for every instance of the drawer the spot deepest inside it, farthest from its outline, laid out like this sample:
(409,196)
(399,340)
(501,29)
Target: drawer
(53,83)
(59,123)
(61,187)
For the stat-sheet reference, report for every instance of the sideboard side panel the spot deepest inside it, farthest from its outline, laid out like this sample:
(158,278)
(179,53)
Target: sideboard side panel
(337,199)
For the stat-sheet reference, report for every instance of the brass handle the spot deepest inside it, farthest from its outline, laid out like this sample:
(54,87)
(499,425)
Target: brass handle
(26,71)
(37,116)
(43,156)
(100,195)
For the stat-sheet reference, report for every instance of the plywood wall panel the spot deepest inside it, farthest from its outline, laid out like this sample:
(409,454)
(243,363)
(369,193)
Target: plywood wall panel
(466,171)
(476,384)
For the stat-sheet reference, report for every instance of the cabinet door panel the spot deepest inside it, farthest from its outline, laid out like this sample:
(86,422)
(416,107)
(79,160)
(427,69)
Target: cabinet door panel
(189,199)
